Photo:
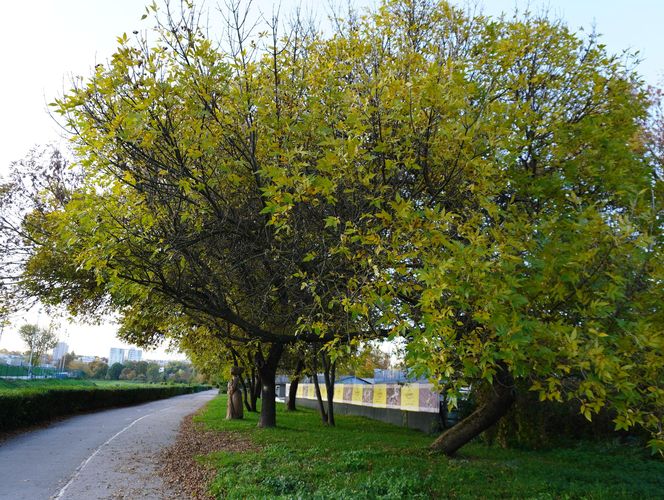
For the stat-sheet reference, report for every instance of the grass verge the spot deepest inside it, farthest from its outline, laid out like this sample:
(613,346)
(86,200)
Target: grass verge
(365,459)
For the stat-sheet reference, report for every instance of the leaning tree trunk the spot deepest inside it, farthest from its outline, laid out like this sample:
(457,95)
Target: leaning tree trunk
(292,394)
(292,390)
(267,369)
(497,404)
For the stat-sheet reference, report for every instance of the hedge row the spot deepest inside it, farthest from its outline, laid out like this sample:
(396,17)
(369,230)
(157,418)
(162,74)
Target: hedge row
(24,409)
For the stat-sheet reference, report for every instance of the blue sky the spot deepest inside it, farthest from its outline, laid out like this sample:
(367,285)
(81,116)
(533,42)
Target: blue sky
(44,42)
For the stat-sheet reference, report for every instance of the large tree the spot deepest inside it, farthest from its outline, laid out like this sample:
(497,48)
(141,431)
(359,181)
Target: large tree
(516,223)
(180,142)
(478,186)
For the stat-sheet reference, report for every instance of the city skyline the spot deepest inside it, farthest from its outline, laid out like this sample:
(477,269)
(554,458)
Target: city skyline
(120,355)
(83,340)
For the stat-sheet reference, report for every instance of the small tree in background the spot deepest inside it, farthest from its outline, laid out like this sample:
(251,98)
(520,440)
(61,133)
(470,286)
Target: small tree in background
(153,374)
(39,340)
(114,371)
(98,369)
(69,357)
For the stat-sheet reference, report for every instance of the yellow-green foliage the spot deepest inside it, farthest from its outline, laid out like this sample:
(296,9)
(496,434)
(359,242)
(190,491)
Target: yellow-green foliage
(478,186)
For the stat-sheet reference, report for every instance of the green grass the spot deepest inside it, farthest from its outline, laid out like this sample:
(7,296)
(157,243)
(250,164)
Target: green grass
(13,386)
(365,459)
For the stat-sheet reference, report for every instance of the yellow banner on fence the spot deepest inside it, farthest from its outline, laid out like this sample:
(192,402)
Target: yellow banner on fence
(380,395)
(410,397)
(357,394)
(338,393)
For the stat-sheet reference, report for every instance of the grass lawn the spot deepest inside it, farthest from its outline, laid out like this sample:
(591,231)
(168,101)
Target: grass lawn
(365,459)
(12,386)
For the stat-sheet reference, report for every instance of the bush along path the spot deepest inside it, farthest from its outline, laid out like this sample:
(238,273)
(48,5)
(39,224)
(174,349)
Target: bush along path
(26,406)
(365,459)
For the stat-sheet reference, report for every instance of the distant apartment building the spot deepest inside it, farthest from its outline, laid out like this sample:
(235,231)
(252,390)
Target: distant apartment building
(59,351)
(134,354)
(118,355)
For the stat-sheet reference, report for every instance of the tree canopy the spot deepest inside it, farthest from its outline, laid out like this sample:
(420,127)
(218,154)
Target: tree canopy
(483,188)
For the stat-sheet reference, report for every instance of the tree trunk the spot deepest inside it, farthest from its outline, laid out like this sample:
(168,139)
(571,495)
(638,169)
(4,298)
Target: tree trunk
(251,382)
(319,398)
(329,372)
(292,390)
(257,388)
(292,394)
(256,391)
(497,404)
(254,387)
(246,394)
(234,403)
(248,381)
(268,371)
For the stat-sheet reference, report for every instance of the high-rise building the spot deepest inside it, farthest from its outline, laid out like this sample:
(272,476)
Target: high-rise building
(134,354)
(60,350)
(117,355)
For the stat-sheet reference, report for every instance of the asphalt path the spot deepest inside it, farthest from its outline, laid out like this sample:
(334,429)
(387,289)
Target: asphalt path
(104,455)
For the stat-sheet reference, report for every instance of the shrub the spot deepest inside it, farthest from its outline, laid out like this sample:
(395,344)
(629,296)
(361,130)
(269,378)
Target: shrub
(535,424)
(26,408)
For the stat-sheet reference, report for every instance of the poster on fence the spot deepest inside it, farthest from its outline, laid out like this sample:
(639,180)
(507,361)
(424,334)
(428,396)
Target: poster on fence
(394,396)
(367,395)
(338,393)
(357,394)
(380,395)
(410,397)
(429,399)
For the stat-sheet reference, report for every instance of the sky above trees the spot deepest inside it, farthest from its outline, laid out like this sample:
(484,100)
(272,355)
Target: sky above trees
(44,43)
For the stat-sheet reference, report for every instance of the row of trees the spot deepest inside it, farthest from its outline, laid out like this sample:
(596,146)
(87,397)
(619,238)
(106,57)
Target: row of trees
(145,371)
(487,190)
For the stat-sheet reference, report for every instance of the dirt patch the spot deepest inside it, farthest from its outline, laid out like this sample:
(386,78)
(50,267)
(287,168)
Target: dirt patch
(186,476)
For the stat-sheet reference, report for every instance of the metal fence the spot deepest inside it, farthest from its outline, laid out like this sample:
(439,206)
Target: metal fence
(23,371)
